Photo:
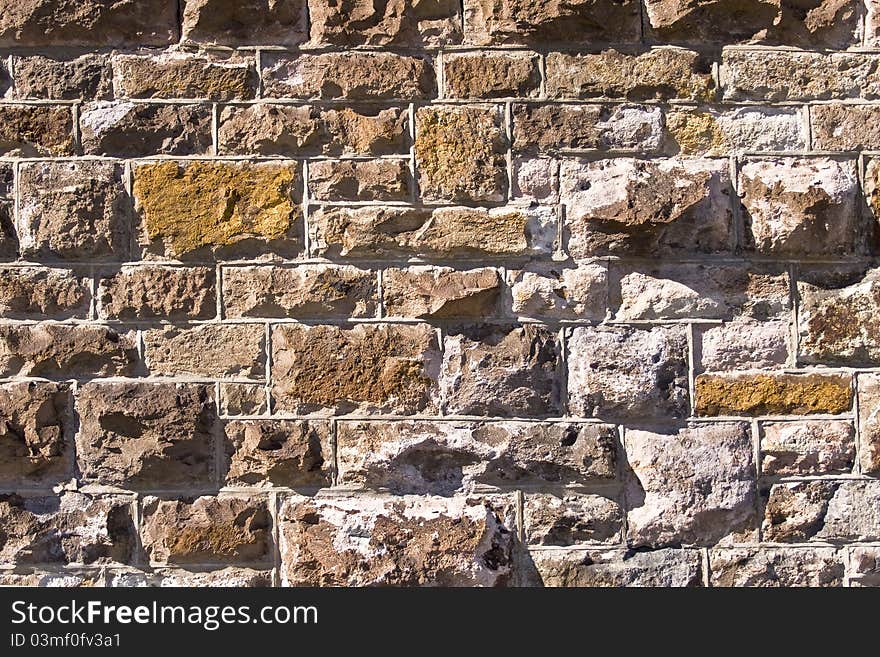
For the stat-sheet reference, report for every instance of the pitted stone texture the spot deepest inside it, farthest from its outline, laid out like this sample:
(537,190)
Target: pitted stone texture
(810,447)
(869,423)
(745,344)
(266,129)
(660,74)
(802,207)
(245,23)
(158,292)
(43,293)
(626,206)
(619,568)
(87,77)
(405,23)
(674,291)
(35,130)
(209,350)
(243,399)
(460,153)
(73,211)
(841,127)
(188,208)
(225,577)
(718,133)
(57,350)
(440,457)
(304,292)
(37,578)
(864,567)
(8,239)
(359,180)
(571,519)
(508,371)
(369,368)
(772,394)
(180,75)
(776,567)
(560,292)
(840,326)
(137,130)
(816,510)
(549,128)
(693,486)
(72,528)
(535,179)
(871,185)
(494,22)
(287,453)
(441,292)
(453,232)
(628,372)
(35,433)
(223,529)
(100,23)
(144,436)
(813,24)
(348,75)
(394,541)
(491,75)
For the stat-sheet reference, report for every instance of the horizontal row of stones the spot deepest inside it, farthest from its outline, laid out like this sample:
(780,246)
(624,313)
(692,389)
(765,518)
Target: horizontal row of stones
(434,23)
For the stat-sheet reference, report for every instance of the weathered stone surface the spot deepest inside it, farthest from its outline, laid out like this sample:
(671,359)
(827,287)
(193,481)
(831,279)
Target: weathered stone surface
(188,208)
(491,75)
(223,529)
(509,371)
(548,128)
(807,448)
(243,399)
(226,577)
(660,74)
(304,292)
(349,75)
(266,129)
(626,206)
(715,132)
(359,180)
(245,23)
(88,23)
(7,175)
(491,22)
(137,130)
(36,578)
(382,368)
(803,207)
(460,153)
(87,77)
(571,519)
(869,423)
(288,453)
(775,567)
(210,350)
(628,371)
(56,350)
(535,179)
(72,528)
(441,292)
(864,566)
(180,75)
(772,394)
(146,436)
(745,344)
(8,239)
(394,541)
(43,293)
(73,210)
(453,232)
(817,23)
(619,568)
(673,291)
(157,291)
(34,130)
(444,456)
(408,23)
(560,292)
(35,433)
(840,127)
(798,512)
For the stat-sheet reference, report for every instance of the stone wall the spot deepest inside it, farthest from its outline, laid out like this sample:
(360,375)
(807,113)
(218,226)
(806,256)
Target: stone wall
(491,292)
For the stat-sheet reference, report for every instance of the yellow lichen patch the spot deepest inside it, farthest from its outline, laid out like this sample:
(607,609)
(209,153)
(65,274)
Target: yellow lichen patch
(772,394)
(197,204)
(696,133)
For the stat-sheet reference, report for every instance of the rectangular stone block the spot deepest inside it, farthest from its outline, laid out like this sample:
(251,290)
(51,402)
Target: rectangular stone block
(158,292)
(809,447)
(41,77)
(560,292)
(491,74)
(869,423)
(208,350)
(772,394)
(717,133)
(776,567)
(43,293)
(441,292)
(618,568)
(146,436)
(864,569)
(181,75)
(743,344)
(845,127)
(571,519)
(245,23)
(36,130)
(303,292)
(243,399)
(360,180)
(8,239)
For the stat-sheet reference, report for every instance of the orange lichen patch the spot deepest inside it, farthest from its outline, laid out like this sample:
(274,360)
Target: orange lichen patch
(771,394)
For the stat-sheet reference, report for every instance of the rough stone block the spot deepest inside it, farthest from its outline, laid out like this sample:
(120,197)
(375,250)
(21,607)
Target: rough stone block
(43,293)
(35,130)
(869,423)
(619,568)
(840,127)
(809,447)
(776,567)
(208,350)
(491,75)
(441,292)
(40,77)
(745,344)
(245,23)
(359,180)
(181,75)
(158,292)
(560,292)
(772,394)
(717,133)
(243,399)
(571,519)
